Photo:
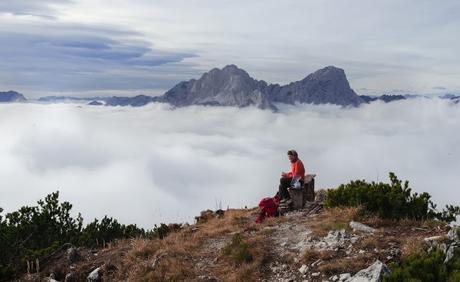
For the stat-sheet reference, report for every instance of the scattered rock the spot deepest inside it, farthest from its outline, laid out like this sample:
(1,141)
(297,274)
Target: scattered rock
(357,226)
(73,255)
(373,273)
(453,235)
(303,269)
(334,278)
(70,277)
(94,275)
(433,238)
(344,276)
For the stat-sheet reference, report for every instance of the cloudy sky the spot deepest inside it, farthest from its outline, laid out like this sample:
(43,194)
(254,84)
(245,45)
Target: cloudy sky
(153,164)
(86,47)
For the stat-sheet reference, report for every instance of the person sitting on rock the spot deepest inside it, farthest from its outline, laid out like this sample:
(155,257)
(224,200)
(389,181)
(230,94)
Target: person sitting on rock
(293,179)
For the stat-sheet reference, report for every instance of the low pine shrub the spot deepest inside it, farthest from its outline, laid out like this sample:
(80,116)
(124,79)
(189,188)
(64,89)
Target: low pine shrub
(394,200)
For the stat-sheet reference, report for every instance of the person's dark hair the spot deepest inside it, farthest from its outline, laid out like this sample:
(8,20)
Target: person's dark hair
(292,153)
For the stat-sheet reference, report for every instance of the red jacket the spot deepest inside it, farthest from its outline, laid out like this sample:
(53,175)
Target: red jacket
(297,170)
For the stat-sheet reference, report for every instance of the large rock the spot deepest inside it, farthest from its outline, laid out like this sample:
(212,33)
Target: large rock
(373,273)
(95,275)
(357,226)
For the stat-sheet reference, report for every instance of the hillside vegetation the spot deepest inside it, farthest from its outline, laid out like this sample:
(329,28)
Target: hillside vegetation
(316,243)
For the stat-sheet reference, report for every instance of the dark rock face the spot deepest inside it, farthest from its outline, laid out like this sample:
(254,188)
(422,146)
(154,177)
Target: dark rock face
(136,101)
(232,86)
(11,96)
(386,98)
(95,103)
(327,85)
(229,86)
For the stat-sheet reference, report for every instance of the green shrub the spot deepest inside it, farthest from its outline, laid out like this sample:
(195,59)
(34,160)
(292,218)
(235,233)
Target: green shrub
(238,250)
(35,232)
(426,267)
(393,200)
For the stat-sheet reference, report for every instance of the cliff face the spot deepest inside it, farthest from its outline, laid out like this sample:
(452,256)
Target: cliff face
(229,86)
(232,86)
(310,244)
(327,85)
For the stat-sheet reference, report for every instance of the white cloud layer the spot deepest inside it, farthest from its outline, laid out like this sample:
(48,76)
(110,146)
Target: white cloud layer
(153,164)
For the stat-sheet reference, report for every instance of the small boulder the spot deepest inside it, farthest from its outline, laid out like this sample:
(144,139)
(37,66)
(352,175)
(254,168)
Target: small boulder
(73,255)
(303,269)
(70,277)
(344,276)
(95,276)
(357,226)
(373,273)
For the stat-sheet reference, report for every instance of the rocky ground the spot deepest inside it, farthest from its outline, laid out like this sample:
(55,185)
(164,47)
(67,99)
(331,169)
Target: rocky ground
(312,244)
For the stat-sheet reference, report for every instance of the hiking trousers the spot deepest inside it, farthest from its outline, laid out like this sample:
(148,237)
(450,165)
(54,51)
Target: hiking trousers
(285,183)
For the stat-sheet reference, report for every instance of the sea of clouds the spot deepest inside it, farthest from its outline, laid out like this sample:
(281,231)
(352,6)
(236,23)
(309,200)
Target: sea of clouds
(156,164)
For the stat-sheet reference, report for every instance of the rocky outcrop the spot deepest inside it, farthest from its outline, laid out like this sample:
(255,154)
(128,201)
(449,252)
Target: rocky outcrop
(385,98)
(373,273)
(136,101)
(11,97)
(232,86)
(357,226)
(325,86)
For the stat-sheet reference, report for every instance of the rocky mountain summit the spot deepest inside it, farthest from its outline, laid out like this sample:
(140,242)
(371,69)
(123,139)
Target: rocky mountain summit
(232,86)
(11,96)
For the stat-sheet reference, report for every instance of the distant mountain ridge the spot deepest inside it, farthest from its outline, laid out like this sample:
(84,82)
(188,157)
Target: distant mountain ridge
(232,86)
(11,96)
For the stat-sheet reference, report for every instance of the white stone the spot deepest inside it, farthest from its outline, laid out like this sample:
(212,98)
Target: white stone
(373,273)
(344,276)
(357,226)
(303,269)
(94,275)
(334,278)
(433,238)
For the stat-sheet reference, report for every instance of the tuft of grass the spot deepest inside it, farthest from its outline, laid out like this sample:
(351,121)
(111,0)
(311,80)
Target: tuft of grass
(312,255)
(334,219)
(342,265)
(238,250)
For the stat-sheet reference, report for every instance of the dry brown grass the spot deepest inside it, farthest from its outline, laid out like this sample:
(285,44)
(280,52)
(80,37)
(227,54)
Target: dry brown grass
(175,256)
(344,265)
(333,219)
(231,270)
(311,255)
(410,246)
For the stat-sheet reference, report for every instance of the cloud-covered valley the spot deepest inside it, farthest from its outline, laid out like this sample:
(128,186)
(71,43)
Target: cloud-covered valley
(156,164)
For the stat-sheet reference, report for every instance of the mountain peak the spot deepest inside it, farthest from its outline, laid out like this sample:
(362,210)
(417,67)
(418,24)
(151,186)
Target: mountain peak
(11,96)
(329,72)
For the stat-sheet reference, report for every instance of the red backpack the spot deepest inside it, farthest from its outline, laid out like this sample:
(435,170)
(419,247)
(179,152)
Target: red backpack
(268,208)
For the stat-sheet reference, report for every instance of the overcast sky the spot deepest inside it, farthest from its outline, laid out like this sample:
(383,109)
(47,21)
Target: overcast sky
(152,164)
(86,47)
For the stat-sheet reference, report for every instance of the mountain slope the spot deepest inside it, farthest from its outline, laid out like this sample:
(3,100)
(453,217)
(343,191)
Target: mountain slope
(327,85)
(11,96)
